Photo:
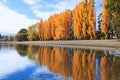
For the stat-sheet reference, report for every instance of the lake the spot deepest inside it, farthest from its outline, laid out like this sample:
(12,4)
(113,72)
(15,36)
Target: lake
(22,62)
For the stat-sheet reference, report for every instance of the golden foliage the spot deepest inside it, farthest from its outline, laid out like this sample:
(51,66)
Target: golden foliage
(84,20)
(105,19)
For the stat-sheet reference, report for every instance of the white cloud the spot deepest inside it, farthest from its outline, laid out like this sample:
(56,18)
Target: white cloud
(60,6)
(12,62)
(11,22)
(31,2)
(44,14)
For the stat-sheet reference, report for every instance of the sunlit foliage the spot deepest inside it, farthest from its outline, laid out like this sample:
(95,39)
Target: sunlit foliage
(84,20)
(32,33)
(105,24)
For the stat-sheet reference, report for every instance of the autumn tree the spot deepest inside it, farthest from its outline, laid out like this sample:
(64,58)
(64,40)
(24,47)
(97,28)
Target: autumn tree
(46,31)
(51,21)
(105,20)
(91,19)
(40,29)
(32,33)
(77,21)
(84,20)
(63,25)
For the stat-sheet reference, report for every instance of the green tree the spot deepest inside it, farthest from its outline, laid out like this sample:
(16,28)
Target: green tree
(113,7)
(21,35)
(11,38)
(116,26)
(32,33)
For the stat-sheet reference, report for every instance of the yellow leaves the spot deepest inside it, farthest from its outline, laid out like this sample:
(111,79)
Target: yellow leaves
(63,25)
(105,19)
(57,26)
(51,21)
(84,18)
(44,30)
(60,33)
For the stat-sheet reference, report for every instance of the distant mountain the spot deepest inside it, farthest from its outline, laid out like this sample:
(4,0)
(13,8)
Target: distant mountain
(7,34)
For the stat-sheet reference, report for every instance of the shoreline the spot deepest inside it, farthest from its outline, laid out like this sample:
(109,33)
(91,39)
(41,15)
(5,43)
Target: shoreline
(87,44)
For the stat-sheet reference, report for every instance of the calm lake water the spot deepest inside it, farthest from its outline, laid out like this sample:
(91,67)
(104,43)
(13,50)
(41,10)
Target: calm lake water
(21,62)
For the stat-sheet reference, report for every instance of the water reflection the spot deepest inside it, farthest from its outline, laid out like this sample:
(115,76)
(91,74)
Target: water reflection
(21,49)
(72,64)
(12,65)
(80,64)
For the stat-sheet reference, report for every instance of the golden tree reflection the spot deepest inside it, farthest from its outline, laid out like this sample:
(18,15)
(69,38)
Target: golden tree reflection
(84,65)
(80,64)
(105,67)
(32,51)
(56,59)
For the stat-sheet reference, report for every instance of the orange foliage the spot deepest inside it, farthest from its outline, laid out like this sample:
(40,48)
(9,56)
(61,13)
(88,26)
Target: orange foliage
(44,30)
(105,19)
(59,26)
(84,20)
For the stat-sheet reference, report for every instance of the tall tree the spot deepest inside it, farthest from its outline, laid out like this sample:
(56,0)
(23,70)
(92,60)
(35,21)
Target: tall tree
(63,25)
(40,29)
(105,20)
(91,19)
(52,25)
(84,20)
(113,7)
(46,31)
(77,21)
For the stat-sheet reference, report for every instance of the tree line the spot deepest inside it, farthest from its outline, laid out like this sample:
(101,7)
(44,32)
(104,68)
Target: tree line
(79,23)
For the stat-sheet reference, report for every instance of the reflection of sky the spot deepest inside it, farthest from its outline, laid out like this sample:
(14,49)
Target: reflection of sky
(43,73)
(15,67)
(11,62)
(97,69)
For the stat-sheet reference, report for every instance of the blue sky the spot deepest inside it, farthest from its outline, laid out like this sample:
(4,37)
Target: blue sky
(17,14)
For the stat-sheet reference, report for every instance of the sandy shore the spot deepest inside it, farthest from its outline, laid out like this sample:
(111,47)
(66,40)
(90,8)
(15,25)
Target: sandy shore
(90,44)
